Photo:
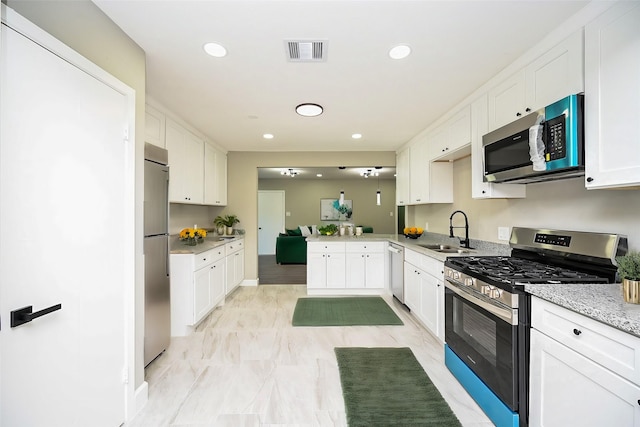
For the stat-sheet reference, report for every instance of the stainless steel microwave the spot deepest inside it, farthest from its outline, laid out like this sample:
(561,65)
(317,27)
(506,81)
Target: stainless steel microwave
(558,129)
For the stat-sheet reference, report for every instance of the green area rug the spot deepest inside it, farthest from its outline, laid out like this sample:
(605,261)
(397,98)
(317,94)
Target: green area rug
(387,386)
(344,311)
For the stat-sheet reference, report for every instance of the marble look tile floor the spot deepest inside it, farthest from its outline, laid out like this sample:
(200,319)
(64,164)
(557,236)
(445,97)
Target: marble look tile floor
(245,365)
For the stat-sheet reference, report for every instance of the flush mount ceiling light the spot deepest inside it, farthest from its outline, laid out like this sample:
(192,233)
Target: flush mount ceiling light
(267,136)
(400,52)
(356,136)
(214,49)
(309,110)
(289,172)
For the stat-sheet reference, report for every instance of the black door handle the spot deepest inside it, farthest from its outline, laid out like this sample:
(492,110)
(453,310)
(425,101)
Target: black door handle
(26,315)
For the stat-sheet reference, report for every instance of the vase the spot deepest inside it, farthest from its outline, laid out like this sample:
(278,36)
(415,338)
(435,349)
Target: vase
(229,231)
(190,242)
(631,291)
(220,230)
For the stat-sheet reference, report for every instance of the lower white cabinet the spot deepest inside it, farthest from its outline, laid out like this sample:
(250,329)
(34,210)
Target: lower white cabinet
(197,287)
(582,372)
(234,265)
(424,290)
(326,263)
(365,265)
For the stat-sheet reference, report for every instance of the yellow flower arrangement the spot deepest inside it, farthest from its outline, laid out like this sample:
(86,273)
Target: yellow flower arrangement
(192,236)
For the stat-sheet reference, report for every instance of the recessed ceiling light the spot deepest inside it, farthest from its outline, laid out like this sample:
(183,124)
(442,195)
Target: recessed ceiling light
(400,51)
(215,50)
(319,175)
(356,136)
(267,136)
(309,110)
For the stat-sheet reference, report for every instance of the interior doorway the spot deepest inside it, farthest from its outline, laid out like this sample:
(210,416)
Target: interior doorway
(271,206)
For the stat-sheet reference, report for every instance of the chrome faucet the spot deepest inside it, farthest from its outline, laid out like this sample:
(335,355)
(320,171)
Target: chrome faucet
(464,243)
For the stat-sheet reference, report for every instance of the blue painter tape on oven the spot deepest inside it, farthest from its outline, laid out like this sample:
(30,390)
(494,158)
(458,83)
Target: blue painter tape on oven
(497,411)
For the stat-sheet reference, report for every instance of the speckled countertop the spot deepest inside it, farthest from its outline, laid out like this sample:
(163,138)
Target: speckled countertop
(176,246)
(602,302)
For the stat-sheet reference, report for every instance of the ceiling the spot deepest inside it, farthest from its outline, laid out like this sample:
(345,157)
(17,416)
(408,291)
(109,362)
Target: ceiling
(456,47)
(341,173)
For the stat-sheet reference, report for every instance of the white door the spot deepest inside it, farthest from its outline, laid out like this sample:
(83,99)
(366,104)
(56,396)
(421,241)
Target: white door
(270,220)
(66,238)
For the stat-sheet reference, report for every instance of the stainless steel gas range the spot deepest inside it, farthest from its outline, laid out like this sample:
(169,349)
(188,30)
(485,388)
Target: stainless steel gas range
(487,312)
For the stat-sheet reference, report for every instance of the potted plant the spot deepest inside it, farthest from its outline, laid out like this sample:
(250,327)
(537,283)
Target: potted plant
(227,221)
(629,271)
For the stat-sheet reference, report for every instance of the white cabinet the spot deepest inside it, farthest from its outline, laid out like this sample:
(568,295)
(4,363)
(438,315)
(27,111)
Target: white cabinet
(582,372)
(234,258)
(154,127)
(479,188)
(402,178)
(326,263)
(612,104)
(430,182)
(552,76)
(365,265)
(215,176)
(452,139)
(186,150)
(424,290)
(197,286)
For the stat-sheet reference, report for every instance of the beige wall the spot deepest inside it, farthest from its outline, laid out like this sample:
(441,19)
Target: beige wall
(564,205)
(242,185)
(302,200)
(81,25)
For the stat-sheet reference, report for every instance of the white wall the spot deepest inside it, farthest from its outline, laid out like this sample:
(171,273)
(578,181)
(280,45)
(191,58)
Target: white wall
(564,205)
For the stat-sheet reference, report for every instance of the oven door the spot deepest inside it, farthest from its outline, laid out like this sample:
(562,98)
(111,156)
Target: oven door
(484,335)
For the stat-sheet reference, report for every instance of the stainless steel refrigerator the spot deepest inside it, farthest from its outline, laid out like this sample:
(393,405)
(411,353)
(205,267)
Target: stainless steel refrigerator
(157,299)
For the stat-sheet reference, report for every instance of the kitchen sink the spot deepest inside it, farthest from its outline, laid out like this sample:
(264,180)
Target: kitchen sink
(445,249)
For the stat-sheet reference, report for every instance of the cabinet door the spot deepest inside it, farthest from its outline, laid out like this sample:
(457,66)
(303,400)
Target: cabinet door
(612,104)
(506,101)
(316,270)
(215,176)
(239,266)
(154,127)
(221,179)
(431,311)
(186,162)
(217,281)
(419,173)
(556,74)
(201,294)
(374,270)
(335,272)
(355,271)
(567,389)
(412,297)
(402,178)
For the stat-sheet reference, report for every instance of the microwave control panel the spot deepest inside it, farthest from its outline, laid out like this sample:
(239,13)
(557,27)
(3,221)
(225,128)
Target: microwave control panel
(555,138)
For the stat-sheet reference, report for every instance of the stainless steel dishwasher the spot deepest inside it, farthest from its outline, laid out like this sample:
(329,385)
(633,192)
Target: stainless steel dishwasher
(397,271)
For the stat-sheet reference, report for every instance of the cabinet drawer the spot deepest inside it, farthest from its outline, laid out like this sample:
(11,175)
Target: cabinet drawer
(610,347)
(366,247)
(234,247)
(424,262)
(325,247)
(208,257)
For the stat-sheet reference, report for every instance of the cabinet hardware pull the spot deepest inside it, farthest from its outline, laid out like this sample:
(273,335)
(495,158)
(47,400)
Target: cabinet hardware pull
(25,314)
(527,109)
(518,114)
(577,331)
(638,401)
(589,179)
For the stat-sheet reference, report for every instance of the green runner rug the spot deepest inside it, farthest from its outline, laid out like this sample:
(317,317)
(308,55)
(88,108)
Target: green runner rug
(344,311)
(387,386)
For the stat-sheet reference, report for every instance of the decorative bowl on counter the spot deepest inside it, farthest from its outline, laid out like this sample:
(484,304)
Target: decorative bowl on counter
(412,232)
(413,235)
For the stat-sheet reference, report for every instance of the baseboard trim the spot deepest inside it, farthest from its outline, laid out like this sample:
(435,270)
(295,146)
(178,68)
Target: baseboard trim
(141,397)
(249,282)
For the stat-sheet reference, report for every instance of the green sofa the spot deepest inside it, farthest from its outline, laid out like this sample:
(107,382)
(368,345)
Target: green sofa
(291,248)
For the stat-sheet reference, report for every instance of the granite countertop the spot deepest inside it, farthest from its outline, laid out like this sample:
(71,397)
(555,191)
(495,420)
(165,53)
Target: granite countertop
(602,302)
(176,246)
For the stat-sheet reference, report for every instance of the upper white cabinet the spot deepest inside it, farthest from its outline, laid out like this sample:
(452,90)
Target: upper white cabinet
(552,76)
(154,127)
(612,104)
(452,139)
(215,176)
(479,188)
(402,177)
(186,150)
(430,182)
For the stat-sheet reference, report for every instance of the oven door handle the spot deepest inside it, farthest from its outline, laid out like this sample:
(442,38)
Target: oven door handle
(508,315)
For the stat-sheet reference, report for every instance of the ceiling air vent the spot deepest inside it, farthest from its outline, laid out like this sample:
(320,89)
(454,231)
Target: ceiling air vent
(306,50)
